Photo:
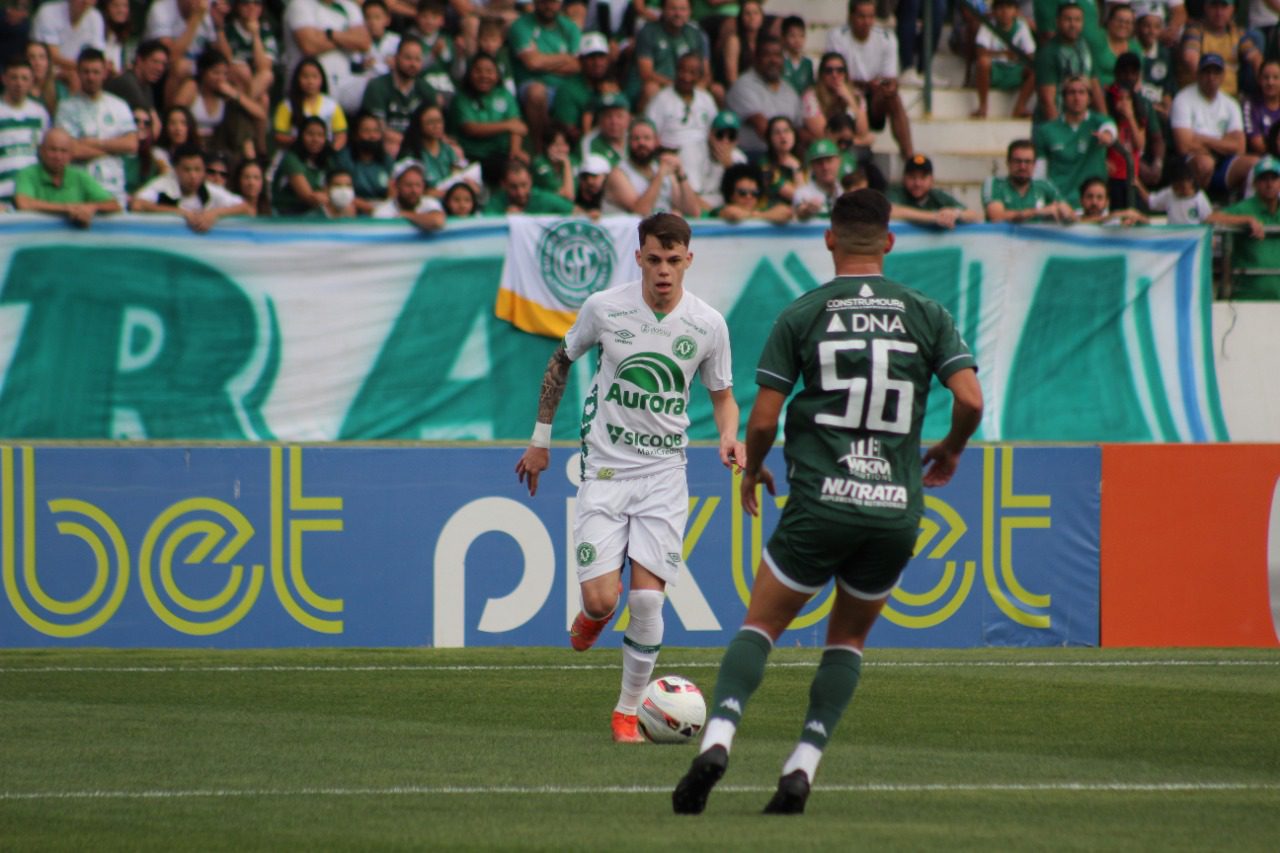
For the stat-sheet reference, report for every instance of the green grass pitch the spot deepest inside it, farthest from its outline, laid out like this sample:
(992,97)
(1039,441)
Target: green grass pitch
(491,749)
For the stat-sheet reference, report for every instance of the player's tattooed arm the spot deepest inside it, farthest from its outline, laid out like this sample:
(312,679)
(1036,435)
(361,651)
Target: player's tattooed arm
(554,381)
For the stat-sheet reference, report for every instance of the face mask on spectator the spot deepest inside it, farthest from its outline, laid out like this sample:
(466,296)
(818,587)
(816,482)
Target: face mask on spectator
(342,197)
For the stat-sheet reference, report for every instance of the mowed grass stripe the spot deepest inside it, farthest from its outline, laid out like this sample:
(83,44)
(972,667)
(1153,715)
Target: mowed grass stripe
(523,790)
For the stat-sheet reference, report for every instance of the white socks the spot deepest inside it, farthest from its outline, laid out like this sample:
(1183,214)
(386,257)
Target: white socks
(640,645)
(805,757)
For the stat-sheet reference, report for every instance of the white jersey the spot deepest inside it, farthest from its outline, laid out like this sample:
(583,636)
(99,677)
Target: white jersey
(635,419)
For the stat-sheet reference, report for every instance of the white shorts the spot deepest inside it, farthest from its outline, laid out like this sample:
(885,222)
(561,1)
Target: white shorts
(641,518)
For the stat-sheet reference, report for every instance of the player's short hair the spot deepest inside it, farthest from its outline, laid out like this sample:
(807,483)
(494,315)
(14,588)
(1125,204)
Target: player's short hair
(149,47)
(90,54)
(859,221)
(185,152)
(381,4)
(437,6)
(515,168)
(792,22)
(667,228)
(1089,182)
(17,60)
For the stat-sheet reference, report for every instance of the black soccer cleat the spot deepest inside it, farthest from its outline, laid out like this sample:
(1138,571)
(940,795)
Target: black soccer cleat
(690,795)
(793,790)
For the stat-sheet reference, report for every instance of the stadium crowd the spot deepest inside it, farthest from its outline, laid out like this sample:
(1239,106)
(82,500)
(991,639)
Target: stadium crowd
(430,110)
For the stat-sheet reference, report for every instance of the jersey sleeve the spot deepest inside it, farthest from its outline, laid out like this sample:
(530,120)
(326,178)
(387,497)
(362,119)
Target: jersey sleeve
(716,370)
(779,367)
(584,334)
(951,353)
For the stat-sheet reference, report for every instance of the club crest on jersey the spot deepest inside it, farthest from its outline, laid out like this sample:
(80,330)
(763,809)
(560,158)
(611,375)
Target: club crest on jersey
(684,347)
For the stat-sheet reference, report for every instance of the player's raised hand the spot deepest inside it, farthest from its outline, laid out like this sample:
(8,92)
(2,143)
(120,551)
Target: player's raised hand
(534,461)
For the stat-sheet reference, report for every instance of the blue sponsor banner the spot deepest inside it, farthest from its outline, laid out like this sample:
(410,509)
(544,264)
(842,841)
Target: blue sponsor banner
(269,546)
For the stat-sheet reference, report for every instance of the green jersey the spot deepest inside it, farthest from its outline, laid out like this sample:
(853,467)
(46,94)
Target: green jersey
(1057,60)
(934,199)
(562,36)
(489,108)
(863,350)
(395,107)
(1256,253)
(1073,153)
(1034,196)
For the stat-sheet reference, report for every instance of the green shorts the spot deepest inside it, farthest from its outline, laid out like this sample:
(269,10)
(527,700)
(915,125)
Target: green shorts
(807,550)
(1006,76)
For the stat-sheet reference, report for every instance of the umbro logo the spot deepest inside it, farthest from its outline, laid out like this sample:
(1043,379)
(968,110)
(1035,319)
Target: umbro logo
(816,726)
(623,335)
(866,291)
(615,432)
(731,704)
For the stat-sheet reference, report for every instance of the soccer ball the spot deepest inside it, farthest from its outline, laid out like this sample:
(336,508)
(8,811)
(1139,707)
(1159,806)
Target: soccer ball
(672,710)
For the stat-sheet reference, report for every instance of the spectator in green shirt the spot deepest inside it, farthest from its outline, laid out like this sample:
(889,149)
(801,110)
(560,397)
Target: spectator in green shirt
(918,201)
(367,161)
(572,104)
(1065,55)
(300,179)
(545,44)
(1021,197)
(1074,145)
(485,117)
(660,44)
(518,195)
(1258,249)
(53,185)
(393,97)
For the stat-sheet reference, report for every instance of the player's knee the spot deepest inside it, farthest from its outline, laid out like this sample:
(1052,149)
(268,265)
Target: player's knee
(599,601)
(645,606)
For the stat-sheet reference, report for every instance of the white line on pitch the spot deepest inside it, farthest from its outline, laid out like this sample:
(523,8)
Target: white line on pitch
(534,790)
(666,665)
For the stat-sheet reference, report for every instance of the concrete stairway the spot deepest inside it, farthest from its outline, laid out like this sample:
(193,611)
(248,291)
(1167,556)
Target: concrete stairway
(964,151)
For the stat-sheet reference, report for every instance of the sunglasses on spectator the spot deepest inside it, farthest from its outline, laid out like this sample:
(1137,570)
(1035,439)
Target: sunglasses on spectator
(726,134)
(754,193)
(835,69)
(222,173)
(845,143)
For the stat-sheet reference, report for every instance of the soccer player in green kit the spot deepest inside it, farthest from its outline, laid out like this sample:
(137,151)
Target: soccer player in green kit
(862,349)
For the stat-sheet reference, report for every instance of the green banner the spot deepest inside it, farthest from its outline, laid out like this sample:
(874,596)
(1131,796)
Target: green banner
(138,328)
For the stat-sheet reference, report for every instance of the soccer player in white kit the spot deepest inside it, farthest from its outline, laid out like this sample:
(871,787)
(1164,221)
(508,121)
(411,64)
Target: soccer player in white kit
(652,337)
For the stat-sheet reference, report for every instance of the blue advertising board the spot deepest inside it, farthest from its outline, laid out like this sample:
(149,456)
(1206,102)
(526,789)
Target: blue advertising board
(277,546)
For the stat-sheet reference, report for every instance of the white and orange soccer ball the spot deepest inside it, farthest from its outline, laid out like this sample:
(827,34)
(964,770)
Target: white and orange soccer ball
(672,710)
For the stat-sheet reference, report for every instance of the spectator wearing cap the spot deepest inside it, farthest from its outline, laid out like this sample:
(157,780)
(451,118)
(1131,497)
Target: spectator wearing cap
(1074,145)
(819,193)
(1256,213)
(53,185)
(395,96)
(919,202)
(1170,19)
(184,191)
(760,94)
(592,175)
(519,195)
(409,199)
(1208,130)
(660,45)
(742,189)
(719,152)
(545,44)
(871,56)
(1062,57)
(683,113)
(649,180)
(609,136)
(572,105)
(1021,197)
(1218,33)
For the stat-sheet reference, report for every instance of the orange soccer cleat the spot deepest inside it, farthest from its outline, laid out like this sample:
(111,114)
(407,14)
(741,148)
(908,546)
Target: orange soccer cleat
(624,728)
